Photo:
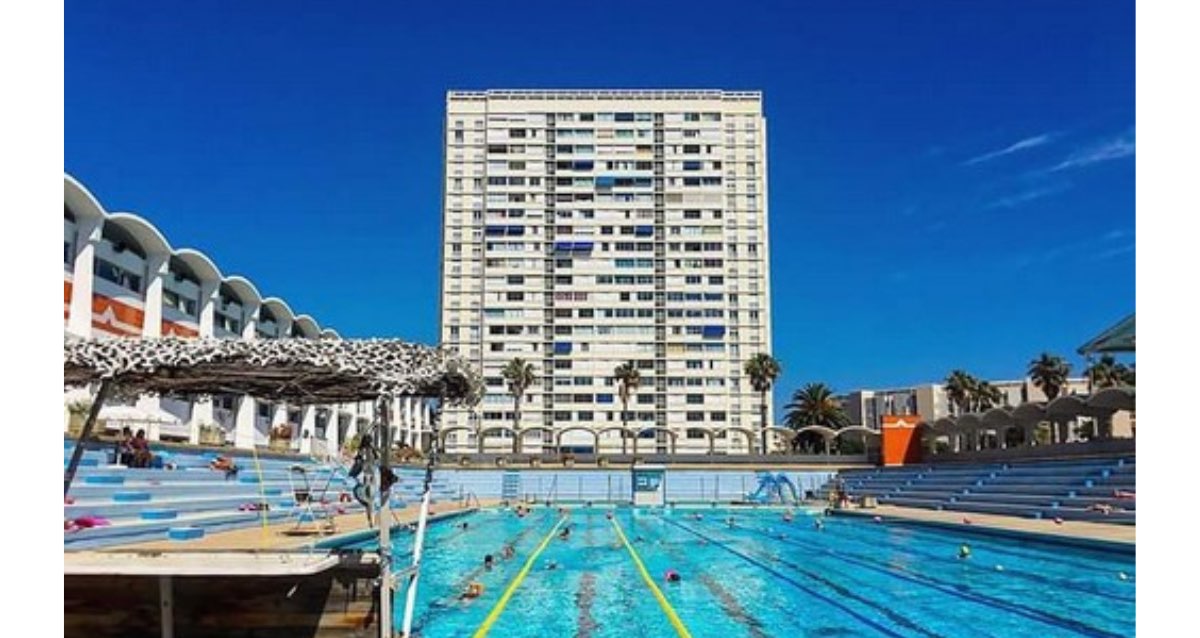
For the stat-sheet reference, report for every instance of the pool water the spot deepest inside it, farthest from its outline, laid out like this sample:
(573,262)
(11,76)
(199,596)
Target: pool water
(762,577)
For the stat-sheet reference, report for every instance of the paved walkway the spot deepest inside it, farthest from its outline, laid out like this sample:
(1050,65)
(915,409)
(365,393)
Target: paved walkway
(1104,532)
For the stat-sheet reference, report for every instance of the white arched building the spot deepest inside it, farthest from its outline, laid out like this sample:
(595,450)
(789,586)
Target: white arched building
(122,278)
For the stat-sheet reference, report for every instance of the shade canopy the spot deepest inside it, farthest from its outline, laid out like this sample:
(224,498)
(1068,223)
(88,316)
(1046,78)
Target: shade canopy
(296,371)
(1119,338)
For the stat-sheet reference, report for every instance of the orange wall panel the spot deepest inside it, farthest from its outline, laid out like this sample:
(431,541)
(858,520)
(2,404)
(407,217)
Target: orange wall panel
(901,439)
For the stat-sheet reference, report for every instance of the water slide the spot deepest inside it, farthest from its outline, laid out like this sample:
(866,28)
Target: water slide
(771,490)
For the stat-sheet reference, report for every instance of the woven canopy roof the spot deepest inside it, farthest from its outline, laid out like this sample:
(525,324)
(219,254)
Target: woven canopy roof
(297,371)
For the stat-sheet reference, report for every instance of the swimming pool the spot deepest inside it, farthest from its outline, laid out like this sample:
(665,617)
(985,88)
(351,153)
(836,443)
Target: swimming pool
(762,577)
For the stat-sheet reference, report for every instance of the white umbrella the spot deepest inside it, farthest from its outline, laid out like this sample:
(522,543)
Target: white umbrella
(115,416)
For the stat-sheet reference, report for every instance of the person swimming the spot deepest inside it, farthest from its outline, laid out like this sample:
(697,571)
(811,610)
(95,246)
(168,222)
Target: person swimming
(474,590)
(565,534)
(488,562)
(787,517)
(551,564)
(964,551)
(464,525)
(672,576)
(819,525)
(508,552)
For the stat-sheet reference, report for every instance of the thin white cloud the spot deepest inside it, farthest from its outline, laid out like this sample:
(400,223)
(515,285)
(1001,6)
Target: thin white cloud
(1029,142)
(1121,146)
(1020,199)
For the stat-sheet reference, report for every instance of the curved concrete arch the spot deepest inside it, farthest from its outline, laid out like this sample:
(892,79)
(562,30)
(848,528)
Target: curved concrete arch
(308,326)
(279,309)
(1114,399)
(970,421)
(245,291)
(826,432)
(861,429)
(655,428)
(944,424)
(998,418)
(626,434)
(80,200)
(1029,413)
(484,432)
(330,333)
(149,239)
(446,432)
(200,264)
(577,428)
(1067,407)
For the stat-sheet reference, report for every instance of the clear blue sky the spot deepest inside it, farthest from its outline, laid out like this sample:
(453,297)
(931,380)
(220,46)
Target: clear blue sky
(951,183)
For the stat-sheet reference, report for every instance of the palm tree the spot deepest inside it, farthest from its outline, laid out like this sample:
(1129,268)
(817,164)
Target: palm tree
(520,375)
(1107,373)
(628,379)
(960,387)
(814,404)
(763,369)
(985,396)
(1049,372)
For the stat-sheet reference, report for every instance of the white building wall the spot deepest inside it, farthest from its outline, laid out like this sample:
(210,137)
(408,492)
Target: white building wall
(585,229)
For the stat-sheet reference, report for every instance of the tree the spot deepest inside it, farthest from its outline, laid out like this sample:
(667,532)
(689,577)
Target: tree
(763,369)
(519,375)
(1107,373)
(985,396)
(960,388)
(814,404)
(1049,372)
(628,379)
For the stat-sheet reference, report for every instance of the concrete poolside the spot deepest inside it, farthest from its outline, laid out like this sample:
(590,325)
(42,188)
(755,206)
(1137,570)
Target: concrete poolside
(1115,536)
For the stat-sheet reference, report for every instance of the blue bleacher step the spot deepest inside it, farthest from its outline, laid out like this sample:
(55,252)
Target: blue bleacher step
(130,496)
(105,479)
(185,533)
(159,514)
(272,491)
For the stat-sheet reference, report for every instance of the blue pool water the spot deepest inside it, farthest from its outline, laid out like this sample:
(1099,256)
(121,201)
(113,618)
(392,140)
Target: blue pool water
(763,577)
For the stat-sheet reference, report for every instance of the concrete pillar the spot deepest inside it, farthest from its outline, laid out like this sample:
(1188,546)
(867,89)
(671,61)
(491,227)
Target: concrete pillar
(156,271)
(208,307)
(280,415)
(202,414)
(83,272)
(331,431)
(243,435)
(308,428)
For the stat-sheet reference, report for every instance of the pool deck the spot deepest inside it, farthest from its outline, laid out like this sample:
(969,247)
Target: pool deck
(247,551)
(1107,535)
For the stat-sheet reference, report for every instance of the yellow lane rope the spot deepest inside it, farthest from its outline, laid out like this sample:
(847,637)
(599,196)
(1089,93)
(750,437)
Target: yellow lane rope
(516,582)
(662,600)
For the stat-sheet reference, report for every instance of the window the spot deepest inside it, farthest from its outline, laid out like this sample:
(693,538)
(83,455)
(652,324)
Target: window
(113,273)
(695,399)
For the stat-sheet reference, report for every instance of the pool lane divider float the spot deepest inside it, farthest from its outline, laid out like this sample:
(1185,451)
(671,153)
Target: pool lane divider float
(516,582)
(662,600)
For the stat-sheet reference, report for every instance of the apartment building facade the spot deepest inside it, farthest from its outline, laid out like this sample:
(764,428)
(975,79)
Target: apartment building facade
(587,229)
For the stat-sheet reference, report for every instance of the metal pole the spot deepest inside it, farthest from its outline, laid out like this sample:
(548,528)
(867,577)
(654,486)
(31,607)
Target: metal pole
(410,602)
(166,607)
(77,454)
(385,522)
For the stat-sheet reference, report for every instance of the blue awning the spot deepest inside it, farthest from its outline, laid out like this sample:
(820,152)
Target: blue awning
(643,231)
(713,332)
(562,347)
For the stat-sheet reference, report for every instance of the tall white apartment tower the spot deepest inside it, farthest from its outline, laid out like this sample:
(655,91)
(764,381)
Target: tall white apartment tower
(586,229)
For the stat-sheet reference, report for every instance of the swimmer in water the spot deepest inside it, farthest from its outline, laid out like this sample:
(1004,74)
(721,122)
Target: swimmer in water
(551,564)
(673,576)
(474,590)
(819,525)
(508,552)
(488,562)
(565,534)
(964,551)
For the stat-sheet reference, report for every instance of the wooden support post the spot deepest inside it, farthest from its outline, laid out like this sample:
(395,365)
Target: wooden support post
(77,455)
(166,606)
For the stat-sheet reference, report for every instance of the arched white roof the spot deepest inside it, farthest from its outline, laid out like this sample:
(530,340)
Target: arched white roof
(80,200)
(150,240)
(199,263)
(308,326)
(280,310)
(245,291)
(147,236)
